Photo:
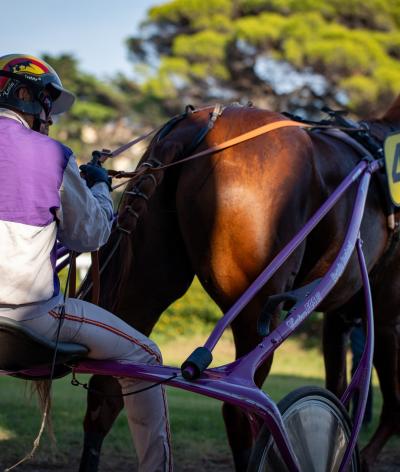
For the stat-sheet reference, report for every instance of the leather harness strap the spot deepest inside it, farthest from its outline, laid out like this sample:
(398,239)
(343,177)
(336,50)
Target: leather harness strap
(72,275)
(254,133)
(218,147)
(95,272)
(95,277)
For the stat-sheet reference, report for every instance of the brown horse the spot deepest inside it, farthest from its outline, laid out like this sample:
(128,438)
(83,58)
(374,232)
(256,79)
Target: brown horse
(223,218)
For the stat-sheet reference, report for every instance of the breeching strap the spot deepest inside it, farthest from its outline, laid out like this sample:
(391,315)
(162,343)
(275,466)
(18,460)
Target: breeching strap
(219,147)
(240,139)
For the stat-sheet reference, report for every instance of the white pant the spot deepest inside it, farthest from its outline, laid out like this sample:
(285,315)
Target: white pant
(108,337)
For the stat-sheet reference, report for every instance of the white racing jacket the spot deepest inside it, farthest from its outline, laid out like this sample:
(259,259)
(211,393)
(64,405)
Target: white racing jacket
(42,199)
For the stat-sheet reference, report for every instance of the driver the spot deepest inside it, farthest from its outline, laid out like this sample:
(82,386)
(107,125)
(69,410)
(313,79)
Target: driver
(43,198)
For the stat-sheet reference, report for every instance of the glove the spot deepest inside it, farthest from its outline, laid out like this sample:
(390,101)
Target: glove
(94,173)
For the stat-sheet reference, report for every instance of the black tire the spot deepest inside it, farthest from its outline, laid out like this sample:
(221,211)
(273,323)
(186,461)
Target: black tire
(319,429)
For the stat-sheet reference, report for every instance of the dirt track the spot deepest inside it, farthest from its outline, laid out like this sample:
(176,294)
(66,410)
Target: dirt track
(389,462)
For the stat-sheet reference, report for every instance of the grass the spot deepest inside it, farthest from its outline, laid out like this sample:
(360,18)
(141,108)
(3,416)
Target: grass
(197,426)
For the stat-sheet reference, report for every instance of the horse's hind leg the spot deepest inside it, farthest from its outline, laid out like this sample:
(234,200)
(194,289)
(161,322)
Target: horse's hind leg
(102,410)
(160,274)
(239,429)
(335,336)
(100,415)
(336,328)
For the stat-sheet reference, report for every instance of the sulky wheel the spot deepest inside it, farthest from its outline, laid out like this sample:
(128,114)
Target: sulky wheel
(319,430)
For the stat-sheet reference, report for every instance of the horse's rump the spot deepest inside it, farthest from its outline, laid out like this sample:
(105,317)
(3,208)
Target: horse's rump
(237,208)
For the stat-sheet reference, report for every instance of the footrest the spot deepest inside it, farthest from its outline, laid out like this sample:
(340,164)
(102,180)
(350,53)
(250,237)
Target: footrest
(292,298)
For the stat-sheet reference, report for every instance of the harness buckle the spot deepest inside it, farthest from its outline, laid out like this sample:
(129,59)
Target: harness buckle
(123,230)
(135,192)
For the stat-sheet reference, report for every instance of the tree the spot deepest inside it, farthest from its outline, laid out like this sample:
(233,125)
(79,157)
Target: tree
(98,103)
(282,53)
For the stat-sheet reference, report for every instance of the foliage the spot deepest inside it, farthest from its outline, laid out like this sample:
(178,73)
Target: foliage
(93,112)
(112,112)
(88,89)
(195,313)
(215,47)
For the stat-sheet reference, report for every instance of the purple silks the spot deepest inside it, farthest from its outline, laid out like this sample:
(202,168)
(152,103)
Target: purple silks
(29,193)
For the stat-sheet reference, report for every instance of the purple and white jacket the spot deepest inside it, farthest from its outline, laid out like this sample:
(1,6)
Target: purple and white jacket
(42,199)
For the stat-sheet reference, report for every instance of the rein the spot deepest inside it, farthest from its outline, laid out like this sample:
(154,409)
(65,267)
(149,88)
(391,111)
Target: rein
(224,145)
(218,147)
(107,154)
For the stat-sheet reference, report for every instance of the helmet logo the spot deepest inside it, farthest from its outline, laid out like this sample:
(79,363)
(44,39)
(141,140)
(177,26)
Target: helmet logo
(27,67)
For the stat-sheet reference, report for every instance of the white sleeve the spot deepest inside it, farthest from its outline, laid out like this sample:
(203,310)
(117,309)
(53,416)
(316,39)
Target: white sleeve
(86,215)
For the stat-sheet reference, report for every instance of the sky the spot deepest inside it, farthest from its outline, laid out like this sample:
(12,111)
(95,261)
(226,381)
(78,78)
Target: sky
(92,30)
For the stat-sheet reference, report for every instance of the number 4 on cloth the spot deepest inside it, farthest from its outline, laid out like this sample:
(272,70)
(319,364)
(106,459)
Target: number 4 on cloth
(392,163)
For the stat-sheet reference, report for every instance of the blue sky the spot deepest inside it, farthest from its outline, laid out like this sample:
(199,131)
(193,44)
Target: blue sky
(93,30)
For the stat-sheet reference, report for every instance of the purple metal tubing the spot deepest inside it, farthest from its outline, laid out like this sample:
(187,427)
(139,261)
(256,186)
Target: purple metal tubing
(301,311)
(276,263)
(250,362)
(362,376)
(61,251)
(60,266)
(234,382)
(214,383)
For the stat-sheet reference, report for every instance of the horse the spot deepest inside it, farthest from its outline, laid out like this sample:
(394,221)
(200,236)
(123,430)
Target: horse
(223,217)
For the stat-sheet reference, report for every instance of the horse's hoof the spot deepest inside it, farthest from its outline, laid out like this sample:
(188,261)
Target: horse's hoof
(91,452)
(241,459)
(366,463)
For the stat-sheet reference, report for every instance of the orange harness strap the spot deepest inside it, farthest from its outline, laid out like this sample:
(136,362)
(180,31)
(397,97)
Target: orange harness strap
(218,147)
(254,133)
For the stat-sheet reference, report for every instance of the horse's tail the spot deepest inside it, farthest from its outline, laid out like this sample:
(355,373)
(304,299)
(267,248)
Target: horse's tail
(117,255)
(116,258)
(42,388)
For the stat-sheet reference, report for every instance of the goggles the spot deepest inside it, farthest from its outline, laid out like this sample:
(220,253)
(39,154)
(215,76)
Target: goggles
(47,103)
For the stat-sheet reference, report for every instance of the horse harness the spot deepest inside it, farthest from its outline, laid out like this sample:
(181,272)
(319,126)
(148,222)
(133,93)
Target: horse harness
(148,176)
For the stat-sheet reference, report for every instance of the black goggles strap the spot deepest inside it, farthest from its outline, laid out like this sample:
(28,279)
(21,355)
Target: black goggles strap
(20,77)
(37,91)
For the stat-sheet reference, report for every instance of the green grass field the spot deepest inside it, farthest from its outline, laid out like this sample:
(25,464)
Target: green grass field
(197,427)
(199,438)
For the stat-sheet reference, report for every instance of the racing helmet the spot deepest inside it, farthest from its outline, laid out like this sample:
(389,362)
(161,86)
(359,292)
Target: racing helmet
(18,70)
